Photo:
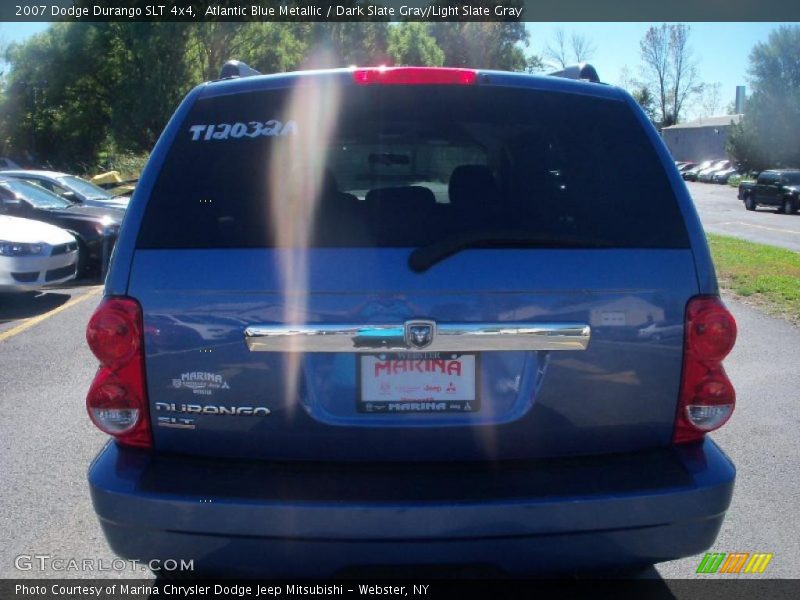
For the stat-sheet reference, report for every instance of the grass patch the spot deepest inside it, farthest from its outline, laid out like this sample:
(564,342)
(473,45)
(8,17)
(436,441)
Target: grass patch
(735,180)
(128,165)
(767,275)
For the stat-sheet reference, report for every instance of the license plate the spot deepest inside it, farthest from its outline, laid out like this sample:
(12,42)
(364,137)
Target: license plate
(417,382)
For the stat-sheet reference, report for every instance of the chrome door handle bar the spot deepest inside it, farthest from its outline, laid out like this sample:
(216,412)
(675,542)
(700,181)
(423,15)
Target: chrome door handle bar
(443,337)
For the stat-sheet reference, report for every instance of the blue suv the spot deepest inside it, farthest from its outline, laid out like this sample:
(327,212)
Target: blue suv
(410,316)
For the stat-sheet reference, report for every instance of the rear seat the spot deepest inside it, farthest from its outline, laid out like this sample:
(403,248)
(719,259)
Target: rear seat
(474,195)
(340,216)
(388,210)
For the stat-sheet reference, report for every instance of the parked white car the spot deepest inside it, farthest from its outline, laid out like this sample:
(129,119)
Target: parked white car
(706,174)
(34,254)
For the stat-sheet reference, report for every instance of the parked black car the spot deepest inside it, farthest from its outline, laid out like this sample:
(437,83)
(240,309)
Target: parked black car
(96,229)
(778,187)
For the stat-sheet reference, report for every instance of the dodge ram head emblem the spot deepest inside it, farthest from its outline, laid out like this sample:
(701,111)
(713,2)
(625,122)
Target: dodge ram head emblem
(419,334)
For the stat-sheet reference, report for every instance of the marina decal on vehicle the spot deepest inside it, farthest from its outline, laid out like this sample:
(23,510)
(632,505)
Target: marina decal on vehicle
(201,382)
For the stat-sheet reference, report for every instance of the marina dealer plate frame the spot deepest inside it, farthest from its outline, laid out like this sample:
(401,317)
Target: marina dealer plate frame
(408,355)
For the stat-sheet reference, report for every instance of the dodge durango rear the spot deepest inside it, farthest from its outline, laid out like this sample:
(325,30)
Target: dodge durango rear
(413,316)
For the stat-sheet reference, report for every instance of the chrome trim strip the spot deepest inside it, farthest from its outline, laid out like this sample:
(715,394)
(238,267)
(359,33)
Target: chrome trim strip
(448,337)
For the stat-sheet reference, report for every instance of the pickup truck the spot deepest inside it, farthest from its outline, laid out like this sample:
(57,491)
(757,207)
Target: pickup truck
(779,188)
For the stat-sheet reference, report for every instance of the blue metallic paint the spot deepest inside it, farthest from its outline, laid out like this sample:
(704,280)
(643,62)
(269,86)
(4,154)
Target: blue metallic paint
(706,276)
(628,498)
(616,396)
(245,518)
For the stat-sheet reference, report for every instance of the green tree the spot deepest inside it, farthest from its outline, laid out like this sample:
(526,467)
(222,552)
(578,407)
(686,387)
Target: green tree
(79,92)
(483,45)
(3,45)
(153,65)
(274,47)
(641,93)
(267,47)
(215,42)
(411,43)
(78,88)
(534,64)
(364,43)
(768,134)
(645,99)
(56,105)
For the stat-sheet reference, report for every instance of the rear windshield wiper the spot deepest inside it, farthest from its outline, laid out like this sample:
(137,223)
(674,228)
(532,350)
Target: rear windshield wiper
(424,257)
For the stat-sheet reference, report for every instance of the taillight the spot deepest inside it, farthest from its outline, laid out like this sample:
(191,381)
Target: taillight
(707,398)
(414,76)
(113,333)
(117,399)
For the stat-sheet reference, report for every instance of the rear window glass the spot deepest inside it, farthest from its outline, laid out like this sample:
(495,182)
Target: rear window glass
(407,166)
(791,178)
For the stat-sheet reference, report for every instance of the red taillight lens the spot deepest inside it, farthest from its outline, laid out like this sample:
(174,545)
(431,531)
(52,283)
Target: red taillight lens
(414,76)
(711,329)
(117,399)
(707,397)
(113,332)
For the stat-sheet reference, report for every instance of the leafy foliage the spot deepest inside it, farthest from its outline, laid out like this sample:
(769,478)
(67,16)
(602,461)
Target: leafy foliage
(79,94)
(482,45)
(361,43)
(645,99)
(641,93)
(57,101)
(767,136)
(411,44)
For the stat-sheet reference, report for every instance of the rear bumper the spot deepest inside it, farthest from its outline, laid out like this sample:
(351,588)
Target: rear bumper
(264,519)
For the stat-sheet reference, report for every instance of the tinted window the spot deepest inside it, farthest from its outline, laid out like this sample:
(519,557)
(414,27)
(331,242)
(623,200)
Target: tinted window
(406,166)
(791,178)
(85,188)
(35,195)
(767,178)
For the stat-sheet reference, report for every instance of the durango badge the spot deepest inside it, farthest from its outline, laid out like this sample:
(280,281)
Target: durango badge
(419,334)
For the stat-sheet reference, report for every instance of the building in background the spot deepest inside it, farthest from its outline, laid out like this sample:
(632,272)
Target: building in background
(701,139)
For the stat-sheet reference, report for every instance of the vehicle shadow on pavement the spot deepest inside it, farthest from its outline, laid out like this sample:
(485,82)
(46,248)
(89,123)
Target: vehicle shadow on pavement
(29,304)
(83,282)
(24,305)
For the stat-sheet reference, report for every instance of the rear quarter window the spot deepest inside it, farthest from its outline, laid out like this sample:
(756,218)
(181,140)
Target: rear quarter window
(399,166)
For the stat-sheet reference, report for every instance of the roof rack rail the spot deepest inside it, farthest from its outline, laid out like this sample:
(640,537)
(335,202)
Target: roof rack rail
(583,71)
(236,68)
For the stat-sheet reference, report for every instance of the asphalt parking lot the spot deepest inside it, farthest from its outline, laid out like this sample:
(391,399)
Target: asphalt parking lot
(47,442)
(722,212)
